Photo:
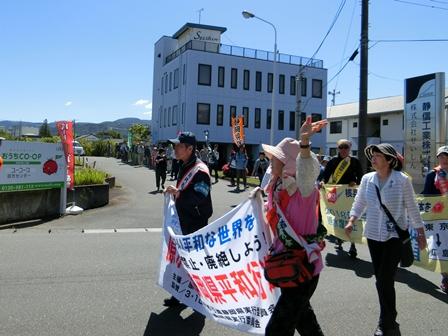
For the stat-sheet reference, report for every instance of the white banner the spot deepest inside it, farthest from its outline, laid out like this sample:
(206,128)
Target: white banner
(218,270)
(31,165)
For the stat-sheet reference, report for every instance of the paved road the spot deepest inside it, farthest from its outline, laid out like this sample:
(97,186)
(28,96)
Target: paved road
(72,283)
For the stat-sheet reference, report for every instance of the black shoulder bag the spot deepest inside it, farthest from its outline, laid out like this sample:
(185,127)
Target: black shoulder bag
(407,255)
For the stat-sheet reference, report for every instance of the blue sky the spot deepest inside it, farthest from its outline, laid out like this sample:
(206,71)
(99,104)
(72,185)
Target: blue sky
(92,60)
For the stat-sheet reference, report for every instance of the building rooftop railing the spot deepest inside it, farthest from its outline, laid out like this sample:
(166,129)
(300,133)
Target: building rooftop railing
(244,52)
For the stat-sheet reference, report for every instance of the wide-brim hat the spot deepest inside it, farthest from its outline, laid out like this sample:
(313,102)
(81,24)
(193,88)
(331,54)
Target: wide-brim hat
(441,150)
(387,150)
(286,151)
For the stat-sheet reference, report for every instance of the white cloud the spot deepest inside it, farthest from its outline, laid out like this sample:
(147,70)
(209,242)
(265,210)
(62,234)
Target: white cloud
(149,110)
(141,102)
(68,103)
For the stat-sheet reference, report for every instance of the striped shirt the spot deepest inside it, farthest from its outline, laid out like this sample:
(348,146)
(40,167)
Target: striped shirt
(397,195)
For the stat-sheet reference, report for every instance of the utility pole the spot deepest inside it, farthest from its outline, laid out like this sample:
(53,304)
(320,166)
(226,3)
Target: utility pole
(363,81)
(333,94)
(299,79)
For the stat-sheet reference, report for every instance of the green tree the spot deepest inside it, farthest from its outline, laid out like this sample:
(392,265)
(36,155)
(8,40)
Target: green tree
(44,130)
(6,135)
(109,134)
(139,132)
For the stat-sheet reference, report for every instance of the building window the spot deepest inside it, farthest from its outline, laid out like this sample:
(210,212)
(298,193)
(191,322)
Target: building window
(171,80)
(268,118)
(385,122)
(166,83)
(333,151)
(336,127)
(354,153)
(165,114)
(270,81)
(176,79)
(317,88)
(257,121)
(169,116)
(246,116)
(232,114)
(302,118)
(292,85)
(355,124)
(184,74)
(219,115)
(204,74)
(161,91)
(258,81)
(160,116)
(281,120)
(234,78)
(316,117)
(183,114)
(203,114)
(175,115)
(246,79)
(221,76)
(281,84)
(292,120)
(303,86)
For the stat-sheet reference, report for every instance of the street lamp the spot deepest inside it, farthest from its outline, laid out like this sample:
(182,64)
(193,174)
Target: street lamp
(249,15)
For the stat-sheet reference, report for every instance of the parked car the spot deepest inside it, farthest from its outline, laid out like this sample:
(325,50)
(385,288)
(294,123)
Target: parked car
(78,149)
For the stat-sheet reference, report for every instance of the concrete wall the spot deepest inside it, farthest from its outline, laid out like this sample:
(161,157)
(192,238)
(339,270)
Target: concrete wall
(26,205)
(18,206)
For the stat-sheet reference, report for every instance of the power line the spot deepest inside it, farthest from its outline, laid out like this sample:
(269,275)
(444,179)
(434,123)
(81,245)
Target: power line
(412,40)
(338,12)
(421,5)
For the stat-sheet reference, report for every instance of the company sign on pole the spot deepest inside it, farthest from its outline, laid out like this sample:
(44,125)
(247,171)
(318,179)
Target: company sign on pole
(31,165)
(424,123)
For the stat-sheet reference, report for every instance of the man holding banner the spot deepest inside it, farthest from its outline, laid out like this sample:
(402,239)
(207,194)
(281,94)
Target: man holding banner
(343,169)
(192,191)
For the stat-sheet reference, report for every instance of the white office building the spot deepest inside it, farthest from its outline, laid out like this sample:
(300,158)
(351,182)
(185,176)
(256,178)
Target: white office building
(386,123)
(200,83)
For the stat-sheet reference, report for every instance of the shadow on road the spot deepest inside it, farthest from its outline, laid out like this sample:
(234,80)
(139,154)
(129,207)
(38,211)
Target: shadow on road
(341,259)
(364,269)
(170,322)
(416,282)
(27,224)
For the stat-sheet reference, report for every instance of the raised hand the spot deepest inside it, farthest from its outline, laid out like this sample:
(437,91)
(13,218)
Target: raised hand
(309,128)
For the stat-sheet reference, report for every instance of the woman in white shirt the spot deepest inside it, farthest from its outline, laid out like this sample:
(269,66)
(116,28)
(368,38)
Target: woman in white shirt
(397,194)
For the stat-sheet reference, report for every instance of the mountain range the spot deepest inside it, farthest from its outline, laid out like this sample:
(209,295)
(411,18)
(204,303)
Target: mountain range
(82,128)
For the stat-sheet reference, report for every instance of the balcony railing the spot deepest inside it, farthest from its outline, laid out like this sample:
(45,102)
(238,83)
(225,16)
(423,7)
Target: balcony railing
(244,52)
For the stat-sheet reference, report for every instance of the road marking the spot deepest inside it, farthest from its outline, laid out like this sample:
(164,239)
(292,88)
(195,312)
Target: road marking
(136,230)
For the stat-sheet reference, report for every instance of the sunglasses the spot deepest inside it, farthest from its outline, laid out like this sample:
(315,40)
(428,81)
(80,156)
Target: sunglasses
(344,147)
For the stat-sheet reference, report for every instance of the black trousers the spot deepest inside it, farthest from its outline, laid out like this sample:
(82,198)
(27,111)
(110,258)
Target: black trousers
(385,258)
(241,173)
(160,174)
(294,312)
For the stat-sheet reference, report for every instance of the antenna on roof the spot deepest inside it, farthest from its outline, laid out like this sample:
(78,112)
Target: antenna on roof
(199,13)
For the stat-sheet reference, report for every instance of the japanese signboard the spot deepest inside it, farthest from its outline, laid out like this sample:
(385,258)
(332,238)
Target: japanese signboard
(65,131)
(424,123)
(218,270)
(336,202)
(31,165)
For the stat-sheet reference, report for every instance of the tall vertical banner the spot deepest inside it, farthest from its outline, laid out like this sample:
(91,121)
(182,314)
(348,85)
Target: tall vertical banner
(424,124)
(65,131)
(238,130)
(218,270)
